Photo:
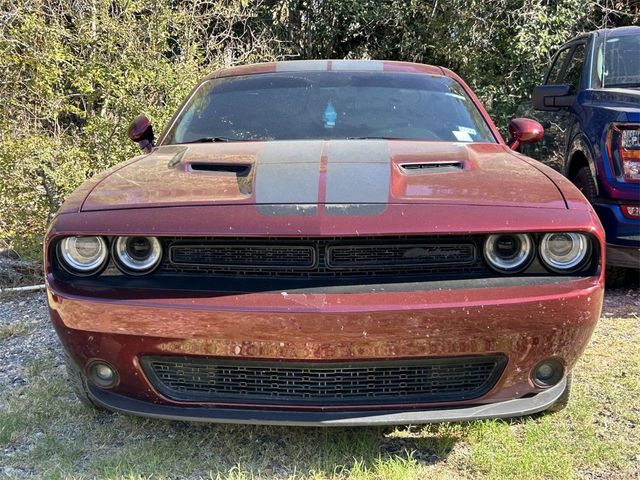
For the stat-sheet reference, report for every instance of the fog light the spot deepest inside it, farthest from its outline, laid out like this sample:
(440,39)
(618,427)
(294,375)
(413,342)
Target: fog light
(547,373)
(102,374)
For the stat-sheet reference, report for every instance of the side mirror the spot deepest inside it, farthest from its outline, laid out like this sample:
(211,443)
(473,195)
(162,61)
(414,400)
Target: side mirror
(141,132)
(524,130)
(552,97)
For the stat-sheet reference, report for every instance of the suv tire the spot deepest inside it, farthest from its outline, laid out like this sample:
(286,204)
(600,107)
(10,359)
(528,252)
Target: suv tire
(615,276)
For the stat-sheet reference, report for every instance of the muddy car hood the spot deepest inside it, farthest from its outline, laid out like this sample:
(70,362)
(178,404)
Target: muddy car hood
(337,172)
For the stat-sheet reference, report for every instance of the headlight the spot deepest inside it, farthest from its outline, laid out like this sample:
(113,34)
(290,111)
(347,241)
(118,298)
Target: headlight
(563,252)
(137,255)
(83,255)
(508,252)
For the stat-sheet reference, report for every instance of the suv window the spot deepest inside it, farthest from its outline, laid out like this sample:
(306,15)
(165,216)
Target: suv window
(573,71)
(617,62)
(554,74)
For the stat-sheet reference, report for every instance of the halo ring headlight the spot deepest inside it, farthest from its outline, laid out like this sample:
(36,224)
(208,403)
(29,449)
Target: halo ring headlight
(564,251)
(137,255)
(83,255)
(509,252)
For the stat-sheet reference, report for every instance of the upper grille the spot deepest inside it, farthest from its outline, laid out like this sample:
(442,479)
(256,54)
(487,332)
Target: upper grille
(431,380)
(338,256)
(425,254)
(244,256)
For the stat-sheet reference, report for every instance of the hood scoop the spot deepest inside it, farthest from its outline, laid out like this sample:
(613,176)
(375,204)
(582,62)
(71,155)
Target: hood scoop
(240,170)
(432,167)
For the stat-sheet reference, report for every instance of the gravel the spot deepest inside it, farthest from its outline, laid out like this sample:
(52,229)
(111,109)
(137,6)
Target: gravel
(28,342)
(622,302)
(26,337)
(16,272)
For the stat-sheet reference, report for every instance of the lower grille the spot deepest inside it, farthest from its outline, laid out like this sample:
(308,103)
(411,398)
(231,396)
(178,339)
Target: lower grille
(218,381)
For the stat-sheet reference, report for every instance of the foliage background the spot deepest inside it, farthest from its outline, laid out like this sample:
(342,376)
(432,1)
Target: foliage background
(73,73)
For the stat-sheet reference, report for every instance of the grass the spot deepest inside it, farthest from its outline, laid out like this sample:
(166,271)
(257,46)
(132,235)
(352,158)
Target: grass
(13,330)
(44,432)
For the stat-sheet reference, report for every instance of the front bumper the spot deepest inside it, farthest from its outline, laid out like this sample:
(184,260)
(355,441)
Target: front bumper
(623,236)
(507,409)
(524,320)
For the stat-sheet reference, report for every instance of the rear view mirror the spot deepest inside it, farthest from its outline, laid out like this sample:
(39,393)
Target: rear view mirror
(552,97)
(141,132)
(524,130)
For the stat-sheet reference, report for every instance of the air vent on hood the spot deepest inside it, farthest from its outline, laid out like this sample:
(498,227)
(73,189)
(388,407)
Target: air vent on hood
(426,167)
(239,170)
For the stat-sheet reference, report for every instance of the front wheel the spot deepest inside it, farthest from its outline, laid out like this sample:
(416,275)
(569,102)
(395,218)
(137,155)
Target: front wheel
(586,184)
(617,277)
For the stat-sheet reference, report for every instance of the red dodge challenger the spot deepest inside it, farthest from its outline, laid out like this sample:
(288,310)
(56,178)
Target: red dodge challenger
(326,243)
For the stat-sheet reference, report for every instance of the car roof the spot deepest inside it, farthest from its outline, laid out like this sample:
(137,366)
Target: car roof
(609,32)
(328,66)
(619,32)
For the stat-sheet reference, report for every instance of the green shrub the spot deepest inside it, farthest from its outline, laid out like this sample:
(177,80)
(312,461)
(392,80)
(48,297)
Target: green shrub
(73,74)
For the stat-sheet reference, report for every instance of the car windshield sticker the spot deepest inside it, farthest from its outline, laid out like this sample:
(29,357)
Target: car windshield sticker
(462,136)
(329,116)
(470,131)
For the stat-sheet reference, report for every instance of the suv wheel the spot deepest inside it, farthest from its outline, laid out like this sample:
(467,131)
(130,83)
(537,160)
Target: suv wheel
(617,277)
(585,183)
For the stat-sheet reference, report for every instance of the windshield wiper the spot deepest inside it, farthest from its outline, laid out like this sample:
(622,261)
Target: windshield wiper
(373,137)
(214,140)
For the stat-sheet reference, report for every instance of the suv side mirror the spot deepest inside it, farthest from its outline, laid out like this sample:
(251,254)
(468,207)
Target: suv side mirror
(141,132)
(524,130)
(552,97)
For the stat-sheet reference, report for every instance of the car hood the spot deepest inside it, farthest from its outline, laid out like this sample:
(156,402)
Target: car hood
(624,101)
(301,173)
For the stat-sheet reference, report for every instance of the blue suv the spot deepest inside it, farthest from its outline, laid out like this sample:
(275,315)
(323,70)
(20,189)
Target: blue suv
(589,105)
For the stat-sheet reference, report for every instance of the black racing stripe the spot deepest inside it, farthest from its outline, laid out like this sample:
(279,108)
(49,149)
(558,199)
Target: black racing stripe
(358,172)
(303,66)
(357,209)
(289,173)
(357,66)
(288,210)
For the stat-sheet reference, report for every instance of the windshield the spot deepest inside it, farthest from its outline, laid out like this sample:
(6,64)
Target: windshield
(330,105)
(618,62)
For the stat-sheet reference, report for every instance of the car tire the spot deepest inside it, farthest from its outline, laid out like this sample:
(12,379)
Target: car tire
(586,184)
(563,399)
(615,277)
(79,384)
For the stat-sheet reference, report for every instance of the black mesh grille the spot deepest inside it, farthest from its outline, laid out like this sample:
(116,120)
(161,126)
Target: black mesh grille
(432,380)
(426,254)
(323,257)
(244,256)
